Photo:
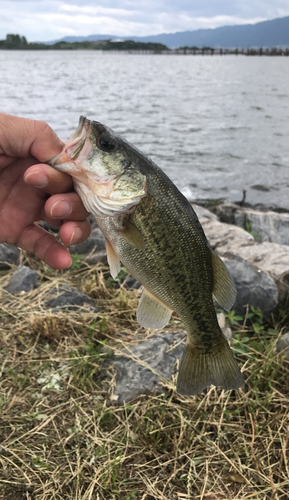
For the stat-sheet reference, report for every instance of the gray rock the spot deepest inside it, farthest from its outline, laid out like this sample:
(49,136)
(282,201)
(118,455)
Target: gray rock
(69,299)
(270,257)
(93,249)
(283,346)
(96,241)
(96,257)
(205,214)
(265,226)
(9,255)
(234,242)
(254,287)
(220,234)
(283,284)
(159,353)
(226,212)
(133,378)
(130,282)
(23,279)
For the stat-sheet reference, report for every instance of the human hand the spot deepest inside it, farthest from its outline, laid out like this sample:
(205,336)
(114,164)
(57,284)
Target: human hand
(31,191)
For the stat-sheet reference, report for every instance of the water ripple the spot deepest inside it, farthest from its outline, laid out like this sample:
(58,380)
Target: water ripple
(215,125)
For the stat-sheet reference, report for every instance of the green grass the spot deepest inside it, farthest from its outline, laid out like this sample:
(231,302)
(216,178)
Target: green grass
(61,439)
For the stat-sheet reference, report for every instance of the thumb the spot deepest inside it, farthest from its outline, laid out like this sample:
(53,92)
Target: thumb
(22,137)
(46,143)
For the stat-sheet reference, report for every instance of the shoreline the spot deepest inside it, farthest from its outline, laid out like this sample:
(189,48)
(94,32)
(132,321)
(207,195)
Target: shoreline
(200,52)
(210,203)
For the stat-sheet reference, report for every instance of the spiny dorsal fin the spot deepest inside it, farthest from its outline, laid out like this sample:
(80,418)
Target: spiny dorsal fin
(130,233)
(112,259)
(151,312)
(224,288)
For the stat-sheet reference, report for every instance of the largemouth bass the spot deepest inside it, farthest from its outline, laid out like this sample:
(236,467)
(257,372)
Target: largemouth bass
(152,229)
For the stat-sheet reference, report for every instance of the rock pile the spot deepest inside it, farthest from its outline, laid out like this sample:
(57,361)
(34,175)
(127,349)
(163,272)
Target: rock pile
(265,226)
(234,243)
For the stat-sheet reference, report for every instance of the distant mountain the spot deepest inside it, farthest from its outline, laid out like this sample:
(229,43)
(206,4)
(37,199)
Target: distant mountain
(90,38)
(273,33)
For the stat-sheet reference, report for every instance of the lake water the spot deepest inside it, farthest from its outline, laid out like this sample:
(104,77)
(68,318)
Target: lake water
(217,125)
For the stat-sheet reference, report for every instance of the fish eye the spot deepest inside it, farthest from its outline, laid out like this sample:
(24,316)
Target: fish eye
(107,143)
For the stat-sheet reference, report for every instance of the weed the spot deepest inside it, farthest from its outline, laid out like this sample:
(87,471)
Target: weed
(232,319)
(76,261)
(67,443)
(256,235)
(240,343)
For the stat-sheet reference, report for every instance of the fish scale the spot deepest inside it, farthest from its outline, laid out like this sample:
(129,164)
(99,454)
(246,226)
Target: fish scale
(152,229)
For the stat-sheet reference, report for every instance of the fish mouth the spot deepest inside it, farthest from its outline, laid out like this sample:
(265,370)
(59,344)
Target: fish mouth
(79,144)
(104,194)
(78,139)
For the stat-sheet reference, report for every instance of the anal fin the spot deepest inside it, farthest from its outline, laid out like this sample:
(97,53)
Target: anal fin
(112,259)
(151,312)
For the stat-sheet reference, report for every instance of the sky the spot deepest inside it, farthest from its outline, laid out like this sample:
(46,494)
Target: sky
(46,20)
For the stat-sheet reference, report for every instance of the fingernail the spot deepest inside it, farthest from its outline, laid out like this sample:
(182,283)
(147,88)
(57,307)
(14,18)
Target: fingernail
(38,179)
(76,235)
(60,210)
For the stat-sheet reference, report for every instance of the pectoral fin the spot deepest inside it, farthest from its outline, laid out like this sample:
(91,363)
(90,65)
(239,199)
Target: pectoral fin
(224,288)
(151,312)
(112,259)
(130,233)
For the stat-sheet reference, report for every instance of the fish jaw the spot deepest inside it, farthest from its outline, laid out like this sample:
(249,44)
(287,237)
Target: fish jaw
(106,186)
(77,148)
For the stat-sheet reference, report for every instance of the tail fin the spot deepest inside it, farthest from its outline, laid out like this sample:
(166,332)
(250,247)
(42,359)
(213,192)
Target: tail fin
(199,369)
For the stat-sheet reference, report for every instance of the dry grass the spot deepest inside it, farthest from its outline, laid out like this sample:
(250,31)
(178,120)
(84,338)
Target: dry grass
(59,438)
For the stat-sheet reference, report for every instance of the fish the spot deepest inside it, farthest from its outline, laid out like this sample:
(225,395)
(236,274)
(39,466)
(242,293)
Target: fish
(152,229)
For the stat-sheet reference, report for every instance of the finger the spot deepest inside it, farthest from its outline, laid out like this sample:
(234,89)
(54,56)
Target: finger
(5,160)
(44,245)
(23,137)
(74,232)
(71,232)
(66,206)
(48,179)
(46,143)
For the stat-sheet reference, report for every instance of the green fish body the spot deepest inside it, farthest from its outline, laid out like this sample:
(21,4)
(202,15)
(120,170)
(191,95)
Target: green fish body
(152,229)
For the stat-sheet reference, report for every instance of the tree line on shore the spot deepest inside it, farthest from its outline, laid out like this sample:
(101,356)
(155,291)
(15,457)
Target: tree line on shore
(17,42)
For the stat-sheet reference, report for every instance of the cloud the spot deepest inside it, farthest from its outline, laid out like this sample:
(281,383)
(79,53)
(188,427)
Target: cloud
(45,20)
(95,10)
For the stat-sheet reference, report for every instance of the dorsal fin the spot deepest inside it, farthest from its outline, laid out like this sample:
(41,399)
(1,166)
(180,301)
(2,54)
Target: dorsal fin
(151,312)
(224,287)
